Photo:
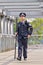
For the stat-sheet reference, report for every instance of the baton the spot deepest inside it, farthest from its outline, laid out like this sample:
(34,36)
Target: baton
(15,48)
(15,41)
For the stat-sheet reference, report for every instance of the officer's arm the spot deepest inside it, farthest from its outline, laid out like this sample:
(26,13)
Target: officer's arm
(30,29)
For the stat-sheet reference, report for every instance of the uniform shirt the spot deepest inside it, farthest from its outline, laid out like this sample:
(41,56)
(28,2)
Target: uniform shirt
(24,29)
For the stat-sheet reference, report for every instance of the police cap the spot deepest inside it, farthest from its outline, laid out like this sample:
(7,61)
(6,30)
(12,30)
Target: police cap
(22,14)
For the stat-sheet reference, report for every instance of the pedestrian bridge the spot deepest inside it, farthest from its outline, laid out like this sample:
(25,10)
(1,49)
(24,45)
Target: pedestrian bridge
(33,8)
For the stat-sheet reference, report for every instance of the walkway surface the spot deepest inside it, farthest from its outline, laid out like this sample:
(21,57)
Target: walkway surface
(35,57)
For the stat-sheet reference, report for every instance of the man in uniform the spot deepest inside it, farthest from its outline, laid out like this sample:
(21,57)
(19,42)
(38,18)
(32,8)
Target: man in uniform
(24,31)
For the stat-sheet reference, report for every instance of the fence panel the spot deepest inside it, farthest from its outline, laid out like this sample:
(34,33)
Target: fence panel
(7,42)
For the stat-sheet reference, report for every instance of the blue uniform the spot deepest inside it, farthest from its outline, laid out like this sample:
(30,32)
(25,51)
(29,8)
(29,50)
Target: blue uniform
(23,30)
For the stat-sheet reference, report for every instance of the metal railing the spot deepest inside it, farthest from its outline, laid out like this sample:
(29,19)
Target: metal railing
(35,39)
(30,7)
(7,42)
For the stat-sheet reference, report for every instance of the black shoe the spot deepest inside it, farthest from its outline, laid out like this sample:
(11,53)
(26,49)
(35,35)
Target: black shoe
(19,58)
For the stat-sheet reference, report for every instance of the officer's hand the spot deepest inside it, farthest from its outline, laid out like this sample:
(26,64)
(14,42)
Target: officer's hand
(29,36)
(16,34)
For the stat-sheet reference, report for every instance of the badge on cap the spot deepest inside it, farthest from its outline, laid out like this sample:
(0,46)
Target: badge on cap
(22,14)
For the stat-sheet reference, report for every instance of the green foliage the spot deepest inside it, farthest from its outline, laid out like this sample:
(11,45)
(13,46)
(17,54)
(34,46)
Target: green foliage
(14,26)
(38,25)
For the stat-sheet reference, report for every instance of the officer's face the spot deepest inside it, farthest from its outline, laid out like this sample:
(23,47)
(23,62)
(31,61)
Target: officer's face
(22,18)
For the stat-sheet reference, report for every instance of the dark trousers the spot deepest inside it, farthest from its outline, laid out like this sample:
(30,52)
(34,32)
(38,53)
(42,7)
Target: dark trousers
(22,47)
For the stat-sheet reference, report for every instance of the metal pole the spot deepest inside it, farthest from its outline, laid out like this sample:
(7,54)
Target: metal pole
(15,40)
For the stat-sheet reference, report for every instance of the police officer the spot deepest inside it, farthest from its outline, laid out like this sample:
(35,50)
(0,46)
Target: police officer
(24,31)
